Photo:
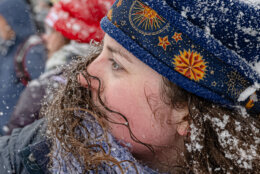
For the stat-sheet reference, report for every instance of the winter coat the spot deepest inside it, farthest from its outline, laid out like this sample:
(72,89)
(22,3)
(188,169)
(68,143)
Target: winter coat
(30,59)
(110,146)
(26,152)
(36,90)
(17,15)
(29,104)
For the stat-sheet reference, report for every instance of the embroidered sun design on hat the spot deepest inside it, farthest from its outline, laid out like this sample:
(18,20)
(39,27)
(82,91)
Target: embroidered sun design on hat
(146,20)
(190,64)
(236,83)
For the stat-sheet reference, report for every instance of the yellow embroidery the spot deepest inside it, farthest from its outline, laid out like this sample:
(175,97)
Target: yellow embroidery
(190,64)
(145,20)
(115,23)
(119,3)
(252,98)
(163,42)
(250,104)
(214,84)
(109,14)
(146,17)
(235,79)
(177,36)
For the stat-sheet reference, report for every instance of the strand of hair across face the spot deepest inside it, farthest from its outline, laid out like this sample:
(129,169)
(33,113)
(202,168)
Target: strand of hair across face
(133,137)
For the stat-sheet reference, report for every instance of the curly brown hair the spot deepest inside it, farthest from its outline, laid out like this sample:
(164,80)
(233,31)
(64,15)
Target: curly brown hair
(66,128)
(221,140)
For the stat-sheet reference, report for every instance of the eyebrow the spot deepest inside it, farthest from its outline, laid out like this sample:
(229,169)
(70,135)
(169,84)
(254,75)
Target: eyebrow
(120,52)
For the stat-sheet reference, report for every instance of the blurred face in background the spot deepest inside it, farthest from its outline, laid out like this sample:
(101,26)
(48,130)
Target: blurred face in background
(54,40)
(6,32)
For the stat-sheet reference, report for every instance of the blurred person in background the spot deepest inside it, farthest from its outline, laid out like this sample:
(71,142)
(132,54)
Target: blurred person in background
(68,34)
(22,57)
(40,9)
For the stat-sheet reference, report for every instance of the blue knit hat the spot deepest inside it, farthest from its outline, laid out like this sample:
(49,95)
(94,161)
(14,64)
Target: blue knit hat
(207,57)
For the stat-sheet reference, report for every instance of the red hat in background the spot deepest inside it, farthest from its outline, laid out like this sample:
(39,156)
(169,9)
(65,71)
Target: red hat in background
(79,19)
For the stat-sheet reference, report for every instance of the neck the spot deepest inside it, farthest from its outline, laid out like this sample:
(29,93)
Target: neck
(165,159)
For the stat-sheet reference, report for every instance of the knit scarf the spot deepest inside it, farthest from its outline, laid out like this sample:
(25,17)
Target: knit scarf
(117,151)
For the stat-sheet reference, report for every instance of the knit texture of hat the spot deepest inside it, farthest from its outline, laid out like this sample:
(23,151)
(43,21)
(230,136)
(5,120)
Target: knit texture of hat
(79,19)
(207,57)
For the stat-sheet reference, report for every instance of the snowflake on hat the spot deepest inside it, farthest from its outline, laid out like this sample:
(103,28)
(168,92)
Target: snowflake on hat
(79,19)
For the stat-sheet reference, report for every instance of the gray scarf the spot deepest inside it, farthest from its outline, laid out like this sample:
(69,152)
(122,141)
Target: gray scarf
(117,151)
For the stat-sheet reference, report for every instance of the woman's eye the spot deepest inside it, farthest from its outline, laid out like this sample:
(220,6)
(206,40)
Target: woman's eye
(115,65)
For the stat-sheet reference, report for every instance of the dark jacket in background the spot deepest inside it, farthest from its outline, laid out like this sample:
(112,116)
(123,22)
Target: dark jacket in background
(29,104)
(17,15)
(25,151)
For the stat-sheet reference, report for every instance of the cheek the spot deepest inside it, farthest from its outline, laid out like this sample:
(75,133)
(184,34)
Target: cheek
(50,40)
(145,126)
(123,100)
(55,42)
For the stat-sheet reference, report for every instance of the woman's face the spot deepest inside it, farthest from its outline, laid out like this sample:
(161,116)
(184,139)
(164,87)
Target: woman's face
(54,41)
(132,88)
(6,32)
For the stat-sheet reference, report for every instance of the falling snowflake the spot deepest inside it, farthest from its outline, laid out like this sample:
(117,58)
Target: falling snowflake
(190,64)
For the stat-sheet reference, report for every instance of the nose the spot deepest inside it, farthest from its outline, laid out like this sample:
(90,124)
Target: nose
(45,37)
(95,71)
(45,41)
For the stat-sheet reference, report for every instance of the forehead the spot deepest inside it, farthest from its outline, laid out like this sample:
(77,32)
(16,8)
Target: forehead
(115,47)
(109,41)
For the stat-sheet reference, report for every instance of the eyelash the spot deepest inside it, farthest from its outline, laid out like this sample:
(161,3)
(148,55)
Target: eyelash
(113,63)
